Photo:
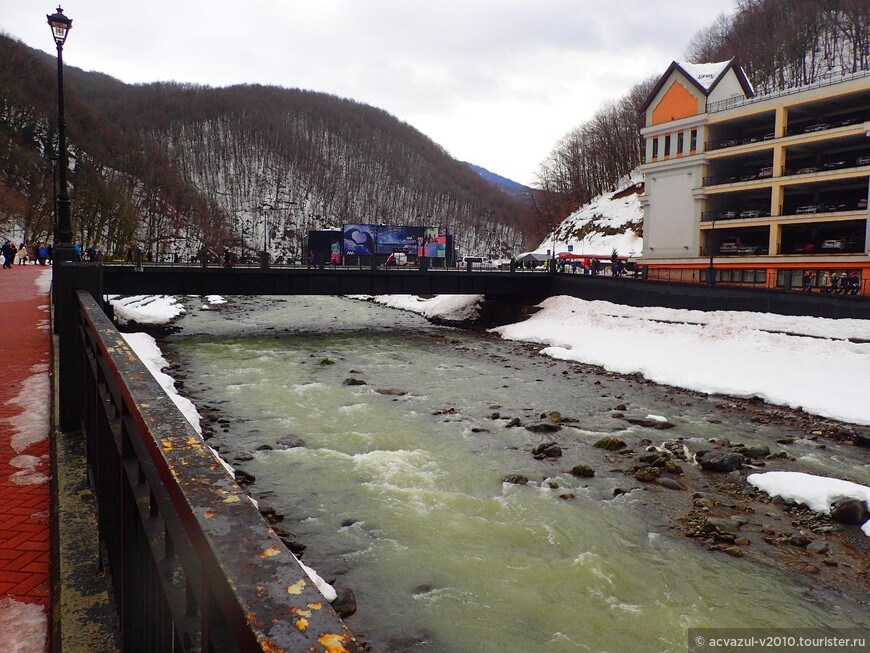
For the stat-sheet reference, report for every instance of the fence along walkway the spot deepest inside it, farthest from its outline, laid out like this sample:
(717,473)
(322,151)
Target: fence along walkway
(193,564)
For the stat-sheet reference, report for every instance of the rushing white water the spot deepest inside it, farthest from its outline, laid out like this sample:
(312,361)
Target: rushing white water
(404,501)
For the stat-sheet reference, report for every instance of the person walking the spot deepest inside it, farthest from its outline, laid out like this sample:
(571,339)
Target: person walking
(21,255)
(42,253)
(807,281)
(854,283)
(826,282)
(9,251)
(844,283)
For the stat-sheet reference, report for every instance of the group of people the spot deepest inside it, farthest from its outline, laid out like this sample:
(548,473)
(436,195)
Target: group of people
(592,266)
(90,253)
(42,254)
(846,283)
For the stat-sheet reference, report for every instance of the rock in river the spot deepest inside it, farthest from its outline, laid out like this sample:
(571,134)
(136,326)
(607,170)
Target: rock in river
(543,427)
(547,450)
(714,461)
(583,471)
(345,601)
(849,511)
(291,441)
(610,443)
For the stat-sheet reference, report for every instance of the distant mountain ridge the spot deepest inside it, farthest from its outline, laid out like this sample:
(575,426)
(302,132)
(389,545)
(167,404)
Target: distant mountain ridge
(174,167)
(509,186)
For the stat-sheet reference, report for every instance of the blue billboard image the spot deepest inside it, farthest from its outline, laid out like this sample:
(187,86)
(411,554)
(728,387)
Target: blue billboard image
(397,238)
(359,239)
(369,239)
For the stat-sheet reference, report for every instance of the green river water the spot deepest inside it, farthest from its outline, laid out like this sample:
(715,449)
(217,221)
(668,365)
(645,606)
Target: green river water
(408,508)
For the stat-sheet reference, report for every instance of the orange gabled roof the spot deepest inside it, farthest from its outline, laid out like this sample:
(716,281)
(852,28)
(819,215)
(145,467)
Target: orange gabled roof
(704,77)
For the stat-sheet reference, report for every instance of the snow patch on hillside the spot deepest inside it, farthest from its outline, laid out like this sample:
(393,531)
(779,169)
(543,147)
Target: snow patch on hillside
(610,221)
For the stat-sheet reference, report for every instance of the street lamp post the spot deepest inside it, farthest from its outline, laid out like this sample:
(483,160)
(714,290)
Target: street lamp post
(63,248)
(553,259)
(70,395)
(53,157)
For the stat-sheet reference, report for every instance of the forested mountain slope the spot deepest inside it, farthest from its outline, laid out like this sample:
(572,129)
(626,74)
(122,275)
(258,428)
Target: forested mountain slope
(170,167)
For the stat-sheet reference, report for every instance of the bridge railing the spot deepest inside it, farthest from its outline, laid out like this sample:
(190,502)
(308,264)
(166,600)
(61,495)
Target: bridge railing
(192,564)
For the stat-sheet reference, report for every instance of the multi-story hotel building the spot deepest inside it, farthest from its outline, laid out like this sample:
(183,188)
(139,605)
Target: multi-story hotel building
(756,189)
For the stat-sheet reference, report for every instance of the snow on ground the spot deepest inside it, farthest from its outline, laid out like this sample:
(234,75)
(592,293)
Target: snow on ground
(43,281)
(147,350)
(146,309)
(23,627)
(800,362)
(446,307)
(615,211)
(815,492)
(34,398)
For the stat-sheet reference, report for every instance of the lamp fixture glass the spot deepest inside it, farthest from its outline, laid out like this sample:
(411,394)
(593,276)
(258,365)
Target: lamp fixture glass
(60,26)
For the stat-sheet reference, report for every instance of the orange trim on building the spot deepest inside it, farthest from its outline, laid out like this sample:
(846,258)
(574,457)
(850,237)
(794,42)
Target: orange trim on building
(676,103)
(691,272)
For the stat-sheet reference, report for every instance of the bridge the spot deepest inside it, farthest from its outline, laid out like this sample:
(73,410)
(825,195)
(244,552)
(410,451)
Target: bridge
(192,564)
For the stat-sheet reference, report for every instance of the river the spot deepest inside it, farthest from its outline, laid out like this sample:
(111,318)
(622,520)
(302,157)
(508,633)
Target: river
(401,497)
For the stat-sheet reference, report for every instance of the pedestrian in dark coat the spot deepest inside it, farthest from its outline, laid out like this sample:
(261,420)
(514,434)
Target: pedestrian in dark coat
(9,250)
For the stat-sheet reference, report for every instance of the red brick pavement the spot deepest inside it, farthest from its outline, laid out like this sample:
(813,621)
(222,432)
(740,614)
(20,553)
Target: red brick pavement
(25,341)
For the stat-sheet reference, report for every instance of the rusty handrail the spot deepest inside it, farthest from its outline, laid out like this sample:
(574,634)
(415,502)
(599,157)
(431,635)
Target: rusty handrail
(193,565)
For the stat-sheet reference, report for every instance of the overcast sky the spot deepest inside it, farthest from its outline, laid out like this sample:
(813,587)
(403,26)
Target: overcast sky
(495,82)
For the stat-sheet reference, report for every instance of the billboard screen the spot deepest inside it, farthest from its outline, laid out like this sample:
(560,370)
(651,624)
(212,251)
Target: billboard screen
(432,242)
(359,239)
(399,238)
(368,239)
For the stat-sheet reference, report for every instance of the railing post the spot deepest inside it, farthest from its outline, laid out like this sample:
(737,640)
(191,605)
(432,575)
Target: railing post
(72,277)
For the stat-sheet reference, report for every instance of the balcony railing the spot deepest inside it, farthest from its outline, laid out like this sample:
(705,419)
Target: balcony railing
(730,103)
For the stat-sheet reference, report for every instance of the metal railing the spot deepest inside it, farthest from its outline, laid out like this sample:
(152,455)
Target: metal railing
(730,103)
(192,564)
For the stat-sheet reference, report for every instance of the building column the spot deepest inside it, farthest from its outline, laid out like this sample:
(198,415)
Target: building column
(781,122)
(777,197)
(779,160)
(773,239)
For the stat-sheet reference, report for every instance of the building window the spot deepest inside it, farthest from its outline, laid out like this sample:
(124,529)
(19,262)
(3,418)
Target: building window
(668,145)
(679,143)
(693,140)
(655,152)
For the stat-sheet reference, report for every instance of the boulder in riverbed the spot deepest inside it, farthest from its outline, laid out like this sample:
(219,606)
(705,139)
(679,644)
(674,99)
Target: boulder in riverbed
(543,427)
(610,443)
(583,471)
(547,450)
(648,474)
(391,392)
(650,423)
(849,511)
(345,601)
(715,461)
(291,441)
